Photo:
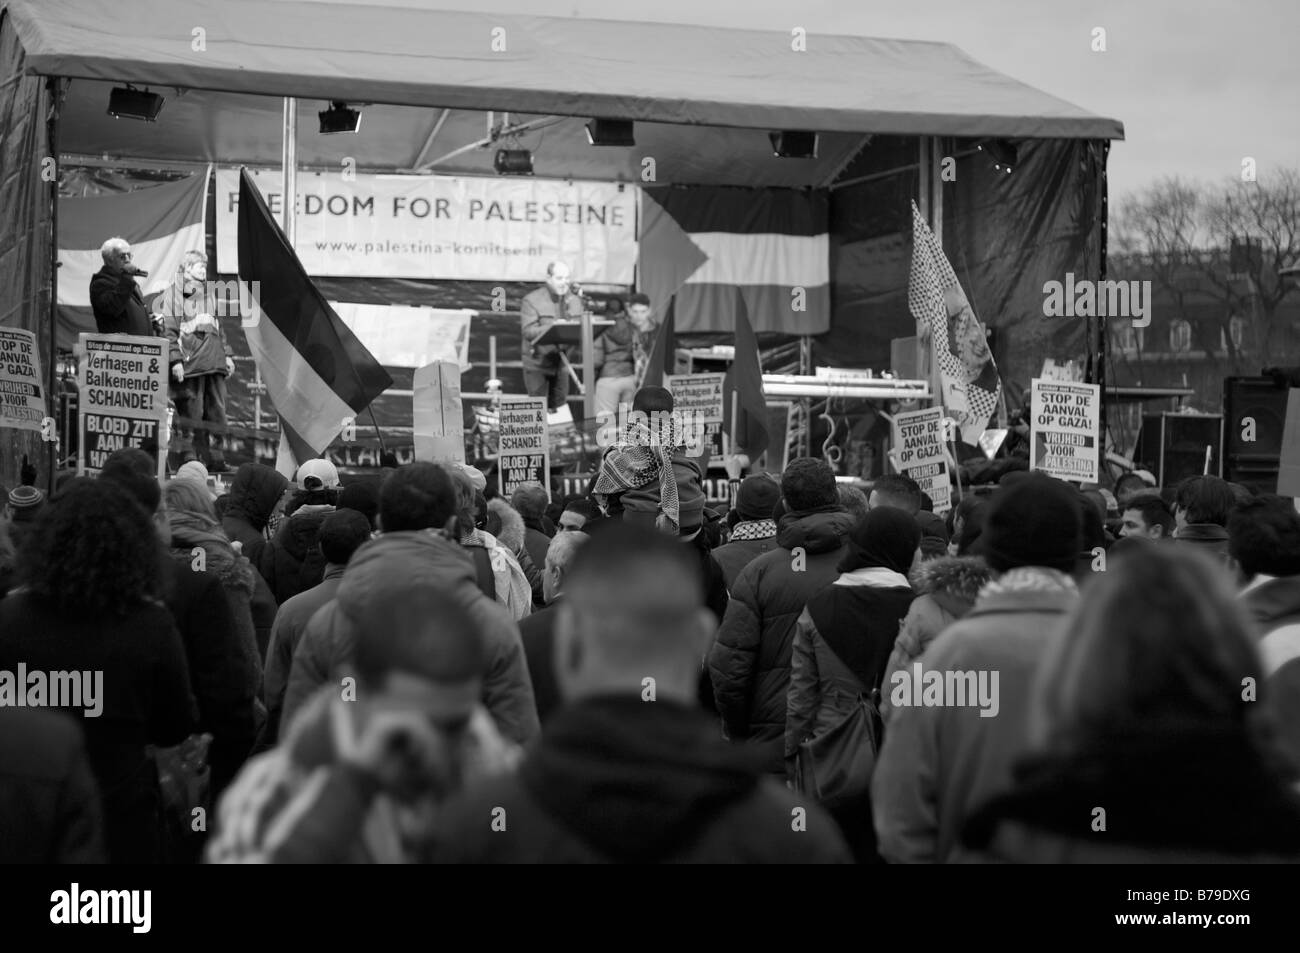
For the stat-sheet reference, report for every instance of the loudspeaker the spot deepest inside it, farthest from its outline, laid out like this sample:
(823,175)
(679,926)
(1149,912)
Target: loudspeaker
(1254,423)
(1173,445)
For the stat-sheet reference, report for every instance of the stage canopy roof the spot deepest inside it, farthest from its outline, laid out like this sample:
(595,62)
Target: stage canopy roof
(703,98)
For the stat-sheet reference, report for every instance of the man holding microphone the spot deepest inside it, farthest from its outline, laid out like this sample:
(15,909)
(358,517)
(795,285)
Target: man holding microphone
(117,301)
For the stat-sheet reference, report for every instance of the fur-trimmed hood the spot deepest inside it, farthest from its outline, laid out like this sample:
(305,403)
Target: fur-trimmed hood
(511,535)
(960,576)
(235,571)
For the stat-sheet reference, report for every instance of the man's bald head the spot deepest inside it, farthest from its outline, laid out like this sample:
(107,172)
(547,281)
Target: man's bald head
(633,609)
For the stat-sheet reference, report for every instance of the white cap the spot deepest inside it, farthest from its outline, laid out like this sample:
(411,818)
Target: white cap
(320,474)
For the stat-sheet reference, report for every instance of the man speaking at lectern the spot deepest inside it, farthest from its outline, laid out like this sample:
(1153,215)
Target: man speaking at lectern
(544,372)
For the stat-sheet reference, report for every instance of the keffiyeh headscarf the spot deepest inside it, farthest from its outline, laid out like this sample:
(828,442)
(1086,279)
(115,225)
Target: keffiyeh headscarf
(643,454)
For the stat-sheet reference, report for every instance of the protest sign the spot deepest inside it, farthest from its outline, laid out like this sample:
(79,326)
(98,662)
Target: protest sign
(22,395)
(698,405)
(123,384)
(437,419)
(524,444)
(1065,426)
(920,453)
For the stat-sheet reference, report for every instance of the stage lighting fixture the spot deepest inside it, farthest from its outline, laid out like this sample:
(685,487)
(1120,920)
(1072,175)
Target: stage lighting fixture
(791,144)
(610,132)
(1003,152)
(127,102)
(513,162)
(339,118)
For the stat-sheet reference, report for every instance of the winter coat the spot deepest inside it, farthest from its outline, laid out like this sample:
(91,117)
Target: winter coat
(946,590)
(641,504)
(513,590)
(145,700)
(538,310)
(254,493)
(1274,605)
(382,570)
(290,622)
(941,762)
(537,633)
(749,540)
(1159,785)
(292,562)
(1211,538)
(513,536)
(298,804)
(614,352)
(49,805)
(750,659)
(221,655)
(614,780)
(841,644)
(118,304)
(190,322)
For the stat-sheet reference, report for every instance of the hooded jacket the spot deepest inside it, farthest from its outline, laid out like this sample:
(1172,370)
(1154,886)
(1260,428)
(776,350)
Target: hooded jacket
(614,780)
(297,804)
(232,713)
(750,660)
(292,561)
(1158,787)
(381,571)
(254,493)
(947,588)
(941,762)
(189,313)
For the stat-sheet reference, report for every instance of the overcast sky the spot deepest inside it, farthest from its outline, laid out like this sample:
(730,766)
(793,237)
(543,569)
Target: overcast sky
(1198,84)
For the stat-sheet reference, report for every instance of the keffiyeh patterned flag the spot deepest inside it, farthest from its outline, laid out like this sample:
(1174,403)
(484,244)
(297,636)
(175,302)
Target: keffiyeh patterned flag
(971,386)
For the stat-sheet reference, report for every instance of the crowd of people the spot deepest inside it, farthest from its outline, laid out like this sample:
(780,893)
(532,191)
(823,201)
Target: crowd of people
(417,669)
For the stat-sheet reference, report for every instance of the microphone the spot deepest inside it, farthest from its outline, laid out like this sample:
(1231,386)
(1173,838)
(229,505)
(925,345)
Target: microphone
(138,272)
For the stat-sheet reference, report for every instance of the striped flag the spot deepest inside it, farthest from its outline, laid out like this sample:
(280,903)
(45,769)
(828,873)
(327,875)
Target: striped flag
(969,378)
(318,375)
(745,380)
(663,353)
(161,222)
(712,250)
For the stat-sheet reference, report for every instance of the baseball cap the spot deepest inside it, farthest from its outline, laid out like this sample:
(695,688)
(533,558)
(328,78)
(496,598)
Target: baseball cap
(317,475)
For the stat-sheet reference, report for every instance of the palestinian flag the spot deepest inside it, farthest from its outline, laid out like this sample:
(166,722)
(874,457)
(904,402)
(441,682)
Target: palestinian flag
(713,249)
(162,223)
(742,389)
(317,373)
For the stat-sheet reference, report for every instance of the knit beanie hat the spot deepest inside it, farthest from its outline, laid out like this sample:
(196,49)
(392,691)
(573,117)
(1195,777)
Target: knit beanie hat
(362,497)
(757,495)
(1036,521)
(25,503)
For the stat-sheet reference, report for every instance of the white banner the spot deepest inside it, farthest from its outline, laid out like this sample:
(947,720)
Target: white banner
(524,449)
(1065,427)
(122,381)
(400,336)
(471,228)
(919,452)
(22,392)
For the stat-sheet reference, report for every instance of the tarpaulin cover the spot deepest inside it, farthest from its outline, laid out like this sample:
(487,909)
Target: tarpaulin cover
(1004,234)
(24,227)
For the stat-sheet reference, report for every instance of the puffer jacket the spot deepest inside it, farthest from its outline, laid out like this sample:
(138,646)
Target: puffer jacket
(254,493)
(947,588)
(841,644)
(383,570)
(292,562)
(749,662)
